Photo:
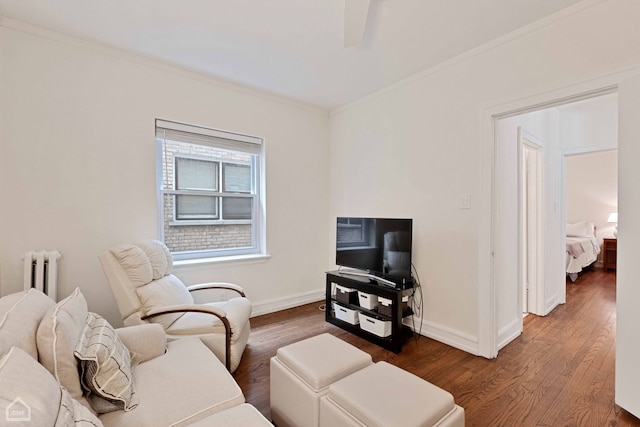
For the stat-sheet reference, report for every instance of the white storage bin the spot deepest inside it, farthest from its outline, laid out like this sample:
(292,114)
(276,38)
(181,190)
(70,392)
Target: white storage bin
(346,314)
(368,301)
(381,328)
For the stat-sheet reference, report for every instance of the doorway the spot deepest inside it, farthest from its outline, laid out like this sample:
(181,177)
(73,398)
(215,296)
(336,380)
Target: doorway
(529,214)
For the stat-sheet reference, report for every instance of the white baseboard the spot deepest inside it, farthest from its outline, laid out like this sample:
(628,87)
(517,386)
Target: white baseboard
(446,335)
(277,304)
(551,305)
(509,333)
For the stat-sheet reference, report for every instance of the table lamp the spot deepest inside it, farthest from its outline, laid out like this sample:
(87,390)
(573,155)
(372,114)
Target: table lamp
(613,217)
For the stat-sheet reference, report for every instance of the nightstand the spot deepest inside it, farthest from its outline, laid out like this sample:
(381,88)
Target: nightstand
(609,253)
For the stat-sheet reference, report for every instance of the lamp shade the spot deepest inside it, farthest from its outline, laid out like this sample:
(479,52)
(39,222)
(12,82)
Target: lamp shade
(613,217)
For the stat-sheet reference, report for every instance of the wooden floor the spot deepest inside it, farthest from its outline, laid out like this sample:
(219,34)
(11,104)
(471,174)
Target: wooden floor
(559,372)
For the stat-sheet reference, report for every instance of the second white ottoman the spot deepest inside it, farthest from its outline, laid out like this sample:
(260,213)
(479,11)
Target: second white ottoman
(302,372)
(383,395)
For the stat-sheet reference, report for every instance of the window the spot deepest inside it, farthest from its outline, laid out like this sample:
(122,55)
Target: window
(210,202)
(353,232)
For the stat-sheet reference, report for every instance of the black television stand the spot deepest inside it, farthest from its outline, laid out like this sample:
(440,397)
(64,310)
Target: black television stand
(362,282)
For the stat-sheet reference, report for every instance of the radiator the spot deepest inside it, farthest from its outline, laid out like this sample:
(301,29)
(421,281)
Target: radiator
(41,271)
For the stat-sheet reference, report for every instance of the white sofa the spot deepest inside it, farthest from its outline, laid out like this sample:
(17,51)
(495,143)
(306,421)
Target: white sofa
(42,381)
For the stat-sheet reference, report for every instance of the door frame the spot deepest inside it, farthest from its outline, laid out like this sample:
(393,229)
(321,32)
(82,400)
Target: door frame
(535,298)
(487,304)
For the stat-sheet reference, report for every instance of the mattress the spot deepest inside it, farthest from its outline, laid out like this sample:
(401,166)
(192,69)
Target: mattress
(578,259)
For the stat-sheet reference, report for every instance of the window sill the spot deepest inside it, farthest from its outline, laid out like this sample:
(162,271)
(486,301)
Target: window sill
(221,260)
(184,222)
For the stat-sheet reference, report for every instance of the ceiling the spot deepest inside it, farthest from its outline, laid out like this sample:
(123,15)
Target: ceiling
(291,48)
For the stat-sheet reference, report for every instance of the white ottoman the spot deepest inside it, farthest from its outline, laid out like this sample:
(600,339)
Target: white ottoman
(383,395)
(302,372)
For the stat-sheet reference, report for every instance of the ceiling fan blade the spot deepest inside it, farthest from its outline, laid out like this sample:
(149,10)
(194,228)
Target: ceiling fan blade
(355,21)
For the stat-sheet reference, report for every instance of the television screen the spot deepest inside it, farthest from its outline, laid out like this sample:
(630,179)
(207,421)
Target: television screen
(379,246)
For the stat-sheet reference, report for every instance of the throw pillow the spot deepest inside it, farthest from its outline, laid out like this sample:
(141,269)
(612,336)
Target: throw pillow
(105,366)
(73,413)
(29,394)
(57,336)
(21,313)
(4,347)
(581,229)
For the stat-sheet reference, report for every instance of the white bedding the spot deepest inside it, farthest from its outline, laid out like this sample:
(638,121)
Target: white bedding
(590,254)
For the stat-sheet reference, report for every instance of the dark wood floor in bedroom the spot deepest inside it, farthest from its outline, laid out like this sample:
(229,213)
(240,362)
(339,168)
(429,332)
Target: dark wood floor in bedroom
(559,372)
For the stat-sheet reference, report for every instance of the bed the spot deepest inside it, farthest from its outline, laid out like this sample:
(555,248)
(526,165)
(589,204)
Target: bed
(582,248)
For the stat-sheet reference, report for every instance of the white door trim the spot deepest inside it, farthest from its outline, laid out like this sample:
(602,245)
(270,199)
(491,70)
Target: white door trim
(486,296)
(537,294)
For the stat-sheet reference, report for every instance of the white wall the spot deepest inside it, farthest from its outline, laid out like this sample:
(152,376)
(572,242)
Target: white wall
(415,148)
(590,124)
(627,375)
(592,189)
(77,165)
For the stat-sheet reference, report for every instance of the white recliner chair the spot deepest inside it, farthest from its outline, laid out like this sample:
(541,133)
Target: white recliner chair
(146,291)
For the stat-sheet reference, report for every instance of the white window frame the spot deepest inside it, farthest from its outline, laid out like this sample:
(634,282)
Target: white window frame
(199,135)
(219,192)
(365,242)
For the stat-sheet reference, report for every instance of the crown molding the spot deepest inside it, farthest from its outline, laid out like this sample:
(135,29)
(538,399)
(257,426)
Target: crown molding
(556,17)
(165,66)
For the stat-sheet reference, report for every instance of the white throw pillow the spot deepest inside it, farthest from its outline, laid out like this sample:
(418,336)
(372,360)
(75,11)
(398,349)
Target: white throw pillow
(20,315)
(105,365)
(29,395)
(57,336)
(581,229)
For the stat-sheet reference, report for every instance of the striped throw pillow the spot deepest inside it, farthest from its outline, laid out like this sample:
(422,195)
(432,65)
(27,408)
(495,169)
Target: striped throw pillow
(105,362)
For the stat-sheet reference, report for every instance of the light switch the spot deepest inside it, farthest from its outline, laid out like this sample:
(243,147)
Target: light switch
(466,201)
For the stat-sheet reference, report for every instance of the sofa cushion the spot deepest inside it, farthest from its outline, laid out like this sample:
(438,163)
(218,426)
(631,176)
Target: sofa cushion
(186,384)
(105,367)
(28,393)
(57,336)
(22,312)
(244,415)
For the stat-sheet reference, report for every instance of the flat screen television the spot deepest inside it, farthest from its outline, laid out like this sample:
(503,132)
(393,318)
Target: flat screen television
(380,247)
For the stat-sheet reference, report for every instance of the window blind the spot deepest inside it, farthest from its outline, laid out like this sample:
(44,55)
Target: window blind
(174,131)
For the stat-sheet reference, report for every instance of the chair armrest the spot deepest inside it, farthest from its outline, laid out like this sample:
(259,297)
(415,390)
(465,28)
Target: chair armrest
(145,342)
(198,308)
(217,285)
(185,308)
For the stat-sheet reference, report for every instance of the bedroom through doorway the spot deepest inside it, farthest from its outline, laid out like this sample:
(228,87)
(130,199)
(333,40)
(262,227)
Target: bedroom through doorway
(533,151)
